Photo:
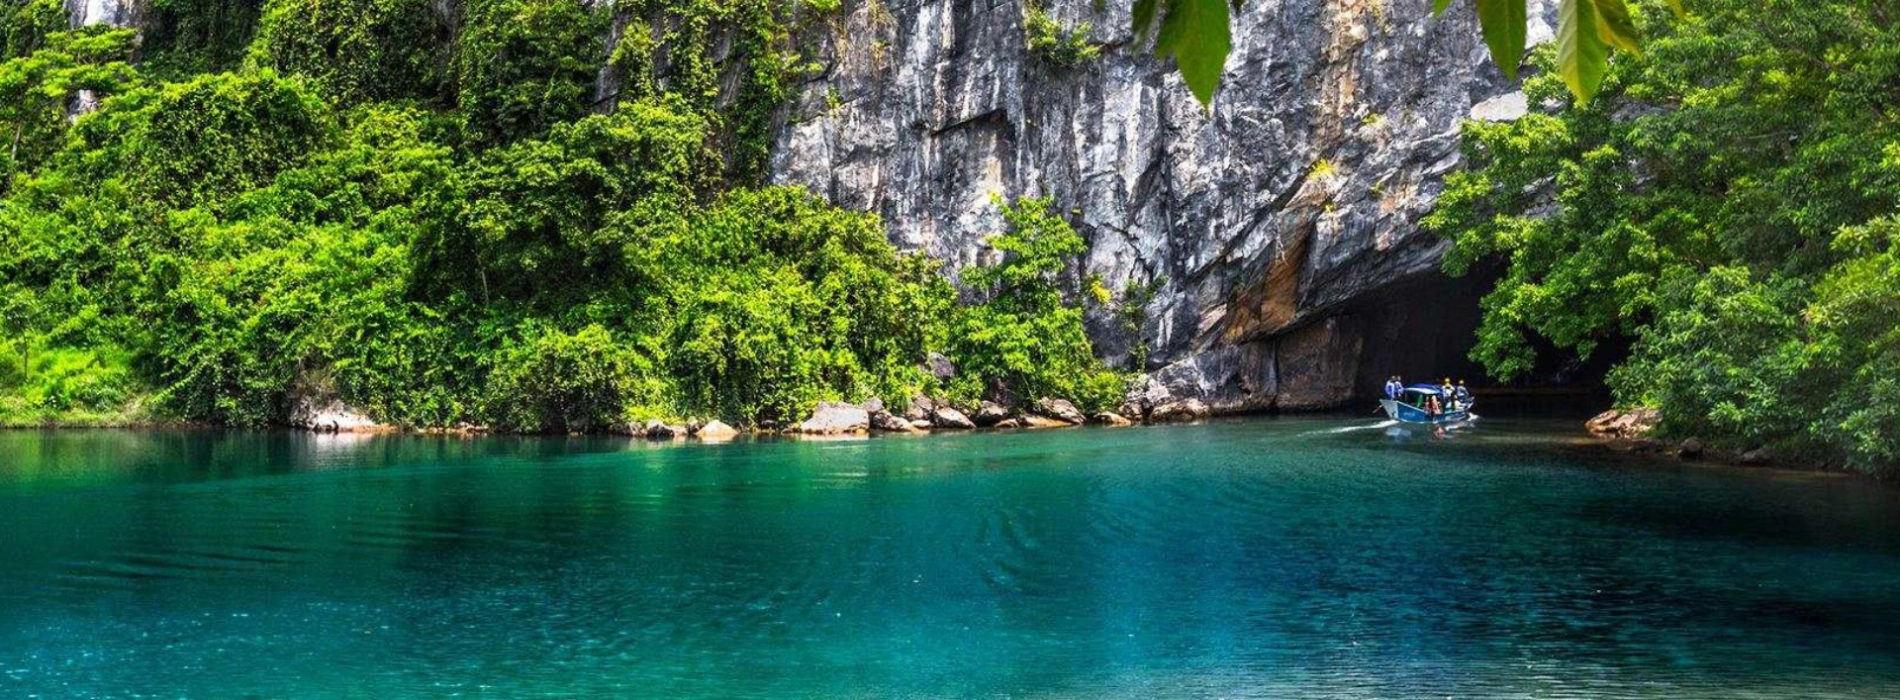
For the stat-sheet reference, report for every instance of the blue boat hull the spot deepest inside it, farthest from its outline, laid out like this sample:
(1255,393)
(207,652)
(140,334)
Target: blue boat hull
(1406,413)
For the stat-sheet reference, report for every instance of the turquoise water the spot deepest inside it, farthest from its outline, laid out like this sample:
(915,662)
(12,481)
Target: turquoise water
(1264,558)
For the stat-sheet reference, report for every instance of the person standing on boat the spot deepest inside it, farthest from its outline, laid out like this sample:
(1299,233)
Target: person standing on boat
(1393,388)
(1461,394)
(1445,391)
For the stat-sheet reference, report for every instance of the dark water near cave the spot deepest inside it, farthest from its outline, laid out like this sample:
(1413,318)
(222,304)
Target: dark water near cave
(1260,558)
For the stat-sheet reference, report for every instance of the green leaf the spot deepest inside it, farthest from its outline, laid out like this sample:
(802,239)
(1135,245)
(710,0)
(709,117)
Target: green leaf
(1676,6)
(1616,27)
(1439,6)
(1504,23)
(1196,34)
(1144,17)
(1582,56)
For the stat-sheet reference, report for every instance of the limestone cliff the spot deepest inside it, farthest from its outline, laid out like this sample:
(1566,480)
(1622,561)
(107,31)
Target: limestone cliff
(1280,224)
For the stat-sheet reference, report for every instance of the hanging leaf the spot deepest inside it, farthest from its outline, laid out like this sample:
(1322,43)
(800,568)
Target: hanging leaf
(1616,27)
(1582,56)
(1144,18)
(1195,33)
(1504,23)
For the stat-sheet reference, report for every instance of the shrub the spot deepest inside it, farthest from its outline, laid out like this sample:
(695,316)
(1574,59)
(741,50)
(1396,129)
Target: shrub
(1024,341)
(557,382)
(1048,40)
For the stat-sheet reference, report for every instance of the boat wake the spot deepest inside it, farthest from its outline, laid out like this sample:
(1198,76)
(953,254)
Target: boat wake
(1381,425)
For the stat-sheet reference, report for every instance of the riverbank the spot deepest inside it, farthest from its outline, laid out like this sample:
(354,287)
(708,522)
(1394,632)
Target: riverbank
(1618,432)
(1635,431)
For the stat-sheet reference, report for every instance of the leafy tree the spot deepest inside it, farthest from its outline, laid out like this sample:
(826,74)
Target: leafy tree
(1024,340)
(534,217)
(782,301)
(1726,202)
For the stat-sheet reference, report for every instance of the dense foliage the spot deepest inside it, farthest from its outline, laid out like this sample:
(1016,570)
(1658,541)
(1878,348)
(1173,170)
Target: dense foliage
(443,224)
(1024,340)
(1729,202)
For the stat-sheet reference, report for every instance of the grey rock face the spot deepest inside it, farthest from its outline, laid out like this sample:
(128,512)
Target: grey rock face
(1288,204)
(940,367)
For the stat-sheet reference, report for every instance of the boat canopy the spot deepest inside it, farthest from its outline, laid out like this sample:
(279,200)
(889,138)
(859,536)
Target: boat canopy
(1425,389)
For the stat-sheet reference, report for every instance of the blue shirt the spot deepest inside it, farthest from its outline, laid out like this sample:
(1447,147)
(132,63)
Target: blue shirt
(1392,389)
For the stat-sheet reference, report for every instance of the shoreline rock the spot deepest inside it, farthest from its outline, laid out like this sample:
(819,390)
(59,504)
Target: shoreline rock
(886,422)
(1061,410)
(1180,411)
(659,430)
(331,415)
(837,418)
(1630,424)
(989,415)
(716,431)
(1031,420)
(947,418)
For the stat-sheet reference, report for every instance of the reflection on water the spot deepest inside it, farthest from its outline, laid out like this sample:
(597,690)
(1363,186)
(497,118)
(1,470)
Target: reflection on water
(1267,558)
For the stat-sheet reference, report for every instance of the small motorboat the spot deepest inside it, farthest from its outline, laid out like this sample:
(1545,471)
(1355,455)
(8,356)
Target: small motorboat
(1414,405)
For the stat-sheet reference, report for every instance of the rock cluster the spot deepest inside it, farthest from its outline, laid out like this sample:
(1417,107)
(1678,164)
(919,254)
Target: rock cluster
(1630,424)
(327,414)
(927,413)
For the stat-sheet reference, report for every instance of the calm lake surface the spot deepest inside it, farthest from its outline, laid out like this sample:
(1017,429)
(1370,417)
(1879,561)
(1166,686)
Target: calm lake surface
(1260,558)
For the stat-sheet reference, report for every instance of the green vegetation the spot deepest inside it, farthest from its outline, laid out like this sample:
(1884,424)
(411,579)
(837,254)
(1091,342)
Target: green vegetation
(1024,340)
(47,71)
(525,65)
(1049,40)
(357,50)
(1728,202)
(444,226)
